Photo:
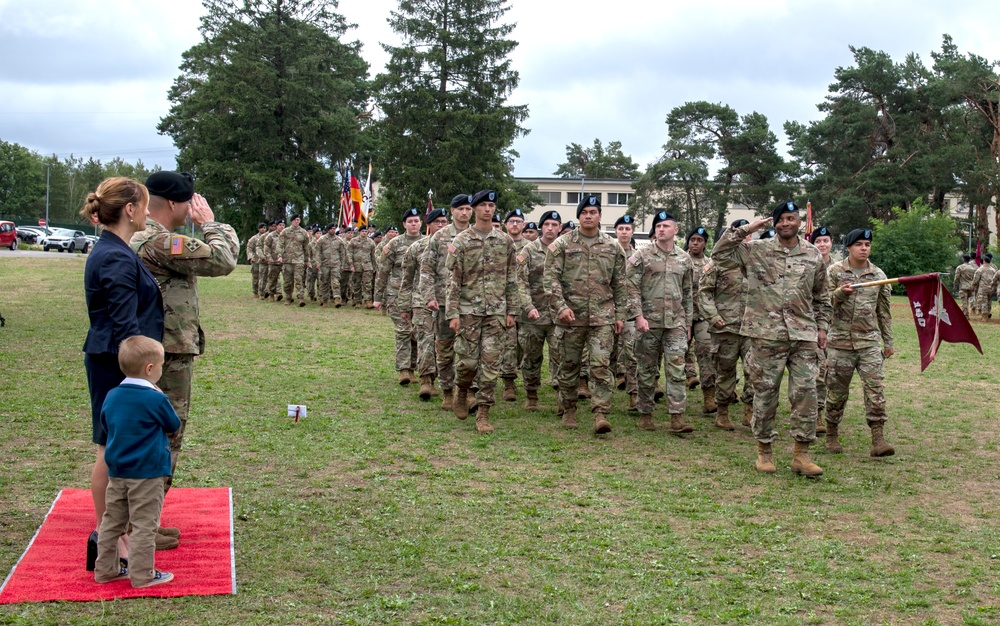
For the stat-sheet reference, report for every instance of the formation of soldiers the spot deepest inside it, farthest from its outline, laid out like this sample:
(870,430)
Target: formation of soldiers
(328,264)
(977,285)
(477,299)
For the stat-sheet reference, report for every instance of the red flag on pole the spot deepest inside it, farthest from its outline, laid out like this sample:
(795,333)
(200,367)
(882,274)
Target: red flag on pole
(937,316)
(346,206)
(979,252)
(430,203)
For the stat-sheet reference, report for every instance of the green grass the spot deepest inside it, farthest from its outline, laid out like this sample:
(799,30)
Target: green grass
(381,509)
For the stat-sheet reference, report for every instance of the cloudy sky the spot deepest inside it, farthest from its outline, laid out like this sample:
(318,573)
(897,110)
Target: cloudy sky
(90,77)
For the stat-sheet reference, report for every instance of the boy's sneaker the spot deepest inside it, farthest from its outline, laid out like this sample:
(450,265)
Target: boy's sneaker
(122,575)
(158,579)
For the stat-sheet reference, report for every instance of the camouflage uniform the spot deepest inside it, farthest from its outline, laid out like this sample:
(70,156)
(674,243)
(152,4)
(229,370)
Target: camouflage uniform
(390,278)
(262,258)
(623,361)
(273,267)
(700,347)
(533,334)
(982,286)
(293,250)
(432,286)
(481,291)
(422,318)
(964,274)
(512,355)
(787,304)
(177,261)
(660,290)
(722,297)
(347,271)
(861,323)
(254,259)
(362,251)
(821,377)
(587,277)
(312,271)
(329,256)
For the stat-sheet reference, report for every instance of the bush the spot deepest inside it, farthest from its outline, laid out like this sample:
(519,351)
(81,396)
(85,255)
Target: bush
(918,241)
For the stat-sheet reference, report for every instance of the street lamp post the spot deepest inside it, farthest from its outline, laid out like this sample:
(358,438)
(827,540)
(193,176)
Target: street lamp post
(970,225)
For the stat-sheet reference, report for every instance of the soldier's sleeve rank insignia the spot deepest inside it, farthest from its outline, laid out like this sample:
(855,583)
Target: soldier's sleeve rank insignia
(176,244)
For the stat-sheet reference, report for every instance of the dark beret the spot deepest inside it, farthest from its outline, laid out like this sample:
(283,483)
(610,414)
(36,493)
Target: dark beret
(568,226)
(767,234)
(822,231)
(781,209)
(433,215)
(625,219)
(587,200)
(262,225)
(462,199)
(550,216)
(174,186)
(856,235)
(329,226)
(700,231)
(495,218)
(738,223)
(410,213)
(987,257)
(296,216)
(378,233)
(486,195)
(662,216)
(514,213)
(392,228)
(966,257)
(531,226)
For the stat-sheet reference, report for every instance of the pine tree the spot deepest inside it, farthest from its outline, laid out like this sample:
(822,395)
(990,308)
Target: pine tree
(444,119)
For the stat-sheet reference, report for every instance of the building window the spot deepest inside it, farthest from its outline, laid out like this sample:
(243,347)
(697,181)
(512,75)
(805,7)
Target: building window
(551,197)
(573,197)
(620,199)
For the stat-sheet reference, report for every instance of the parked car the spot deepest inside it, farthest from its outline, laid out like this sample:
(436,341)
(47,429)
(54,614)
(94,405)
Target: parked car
(8,235)
(66,240)
(32,234)
(92,239)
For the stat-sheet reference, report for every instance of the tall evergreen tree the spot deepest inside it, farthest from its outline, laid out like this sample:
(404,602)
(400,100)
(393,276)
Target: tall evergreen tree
(598,161)
(445,123)
(267,108)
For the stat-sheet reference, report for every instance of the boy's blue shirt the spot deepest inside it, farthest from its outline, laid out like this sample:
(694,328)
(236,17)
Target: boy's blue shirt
(137,420)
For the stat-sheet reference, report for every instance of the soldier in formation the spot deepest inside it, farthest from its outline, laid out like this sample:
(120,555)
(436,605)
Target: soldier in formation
(984,287)
(623,361)
(254,257)
(514,225)
(272,255)
(823,240)
(362,251)
(700,345)
(390,278)
(294,254)
(964,274)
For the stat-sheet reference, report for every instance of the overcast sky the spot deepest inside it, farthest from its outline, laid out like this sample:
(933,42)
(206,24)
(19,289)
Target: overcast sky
(90,77)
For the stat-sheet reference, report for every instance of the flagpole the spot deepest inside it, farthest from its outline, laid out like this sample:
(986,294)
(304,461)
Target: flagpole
(887,281)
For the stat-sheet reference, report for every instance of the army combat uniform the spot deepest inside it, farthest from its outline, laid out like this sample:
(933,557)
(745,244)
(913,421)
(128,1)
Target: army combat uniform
(272,253)
(329,255)
(293,250)
(254,258)
(432,287)
(982,286)
(964,274)
(362,251)
(700,347)
(177,261)
(534,334)
(312,267)
(422,318)
(390,278)
(512,353)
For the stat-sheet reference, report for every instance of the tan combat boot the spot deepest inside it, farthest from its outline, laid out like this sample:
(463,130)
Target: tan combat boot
(448,400)
(531,404)
(426,388)
(369,305)
(601,424)
(677,425)
(620,382)
(646,422)
(509,390)
(747,415)
(820,423)
(722,418)
(708,397)
(278,298)
(693,382)
(832,442)
(801,463)
(434,389)
(337,303)
(879,446)
(461,403)
(483,426)
(632,403)
(289,302)
(473,403)
(583,391)
(405,377)
(569,417)
(302,302)
(765,462)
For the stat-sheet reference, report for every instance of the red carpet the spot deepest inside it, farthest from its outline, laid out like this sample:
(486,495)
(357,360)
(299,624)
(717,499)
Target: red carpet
(53,566)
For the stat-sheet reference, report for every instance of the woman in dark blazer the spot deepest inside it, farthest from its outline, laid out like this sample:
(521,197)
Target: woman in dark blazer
(123,299)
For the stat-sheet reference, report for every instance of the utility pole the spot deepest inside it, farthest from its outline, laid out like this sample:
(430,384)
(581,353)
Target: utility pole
(47,174)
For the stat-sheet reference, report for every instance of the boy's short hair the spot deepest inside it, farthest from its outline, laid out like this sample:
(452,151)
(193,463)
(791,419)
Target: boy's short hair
(137,351)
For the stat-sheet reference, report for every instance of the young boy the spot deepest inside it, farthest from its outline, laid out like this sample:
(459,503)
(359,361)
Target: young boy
(137,417)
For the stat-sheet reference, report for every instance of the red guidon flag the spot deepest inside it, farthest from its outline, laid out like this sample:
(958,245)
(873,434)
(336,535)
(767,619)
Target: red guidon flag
(937,316)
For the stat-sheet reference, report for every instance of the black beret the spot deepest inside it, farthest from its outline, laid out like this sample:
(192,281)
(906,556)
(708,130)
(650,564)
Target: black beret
(262,225)
(410,213)
(738,223)
(568,226)
(378,233)
(550,216)
(662,216)
(625,219)
(781,209)
(514,213)
(486,195)
(966,257)
(822,231)
(495,218)
(296,216)
(392,228)
(462,199)
(767,234)
(329,226)
(587,200)
(531,226)
(987,257)
(433,215)
(856,235)
(700,231)
(174,186)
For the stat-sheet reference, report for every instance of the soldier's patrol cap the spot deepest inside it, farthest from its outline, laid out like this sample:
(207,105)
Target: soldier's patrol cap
(462,199)
(514,213)
(495,218)
(568,226)
(436,213)
(588,200)
(410,213)
(822,231)
(262,225)
(628,220)
(738,223)
(174,186)
(781,209)
(661,216)
(700,231)
(767,234)
(530,226)
(486,195)
(550,215)
(392,229)
(856,235)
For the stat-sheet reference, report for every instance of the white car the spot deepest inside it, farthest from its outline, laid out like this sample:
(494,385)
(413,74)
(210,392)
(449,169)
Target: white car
(65,240)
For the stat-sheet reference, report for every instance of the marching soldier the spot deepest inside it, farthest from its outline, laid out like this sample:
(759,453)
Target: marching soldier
(514,224)
(982,286)
(963,280)
(330,259)
(273,253)
(293,253)
(823,240)
(623,362)
(390,278)
(700,346)
(347,268)
(312,266)
(362,251)
(255,259)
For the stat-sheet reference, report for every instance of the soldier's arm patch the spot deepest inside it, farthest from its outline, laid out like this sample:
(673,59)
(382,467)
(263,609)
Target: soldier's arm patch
(632,260)
(385,249)
(176,244)
(520,259)
(451,248)
(552,247)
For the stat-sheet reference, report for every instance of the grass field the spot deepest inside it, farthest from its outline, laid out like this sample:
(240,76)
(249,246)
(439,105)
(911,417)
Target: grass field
(381,509)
